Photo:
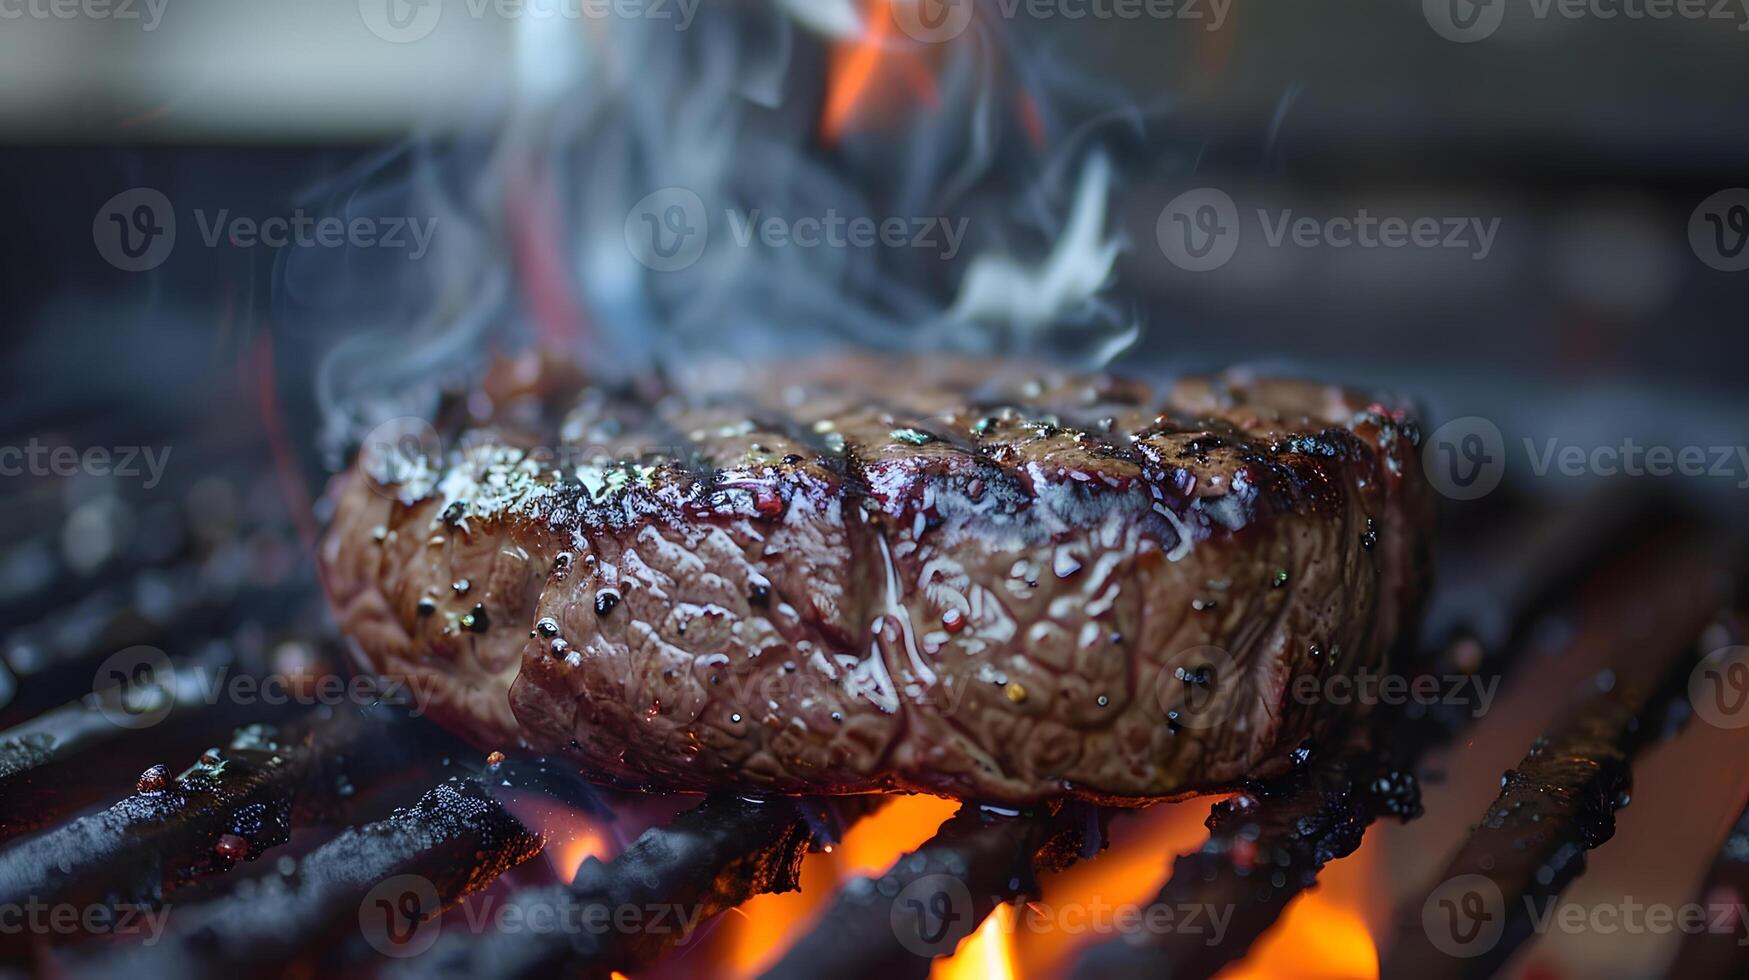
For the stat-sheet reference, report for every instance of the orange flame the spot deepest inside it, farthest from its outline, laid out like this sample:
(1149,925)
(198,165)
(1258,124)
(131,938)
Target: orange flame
(987,954)
(771,924)
(857,64)
(1129,872)
(1327,932)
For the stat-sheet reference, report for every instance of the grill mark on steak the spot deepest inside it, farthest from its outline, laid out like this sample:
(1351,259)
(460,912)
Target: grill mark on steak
(844,581)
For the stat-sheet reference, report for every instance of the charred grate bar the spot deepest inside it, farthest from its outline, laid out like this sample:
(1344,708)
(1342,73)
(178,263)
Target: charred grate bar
(1558,802)
(1265,846)
(894,926)
(41,778)
(231,805)
(388,880)
(711,858)
(1289,834)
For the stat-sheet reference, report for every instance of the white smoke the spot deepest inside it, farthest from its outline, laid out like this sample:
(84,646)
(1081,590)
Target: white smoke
(606,113)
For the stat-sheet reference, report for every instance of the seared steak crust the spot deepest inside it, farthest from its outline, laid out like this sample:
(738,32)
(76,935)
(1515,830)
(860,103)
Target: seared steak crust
(856,576)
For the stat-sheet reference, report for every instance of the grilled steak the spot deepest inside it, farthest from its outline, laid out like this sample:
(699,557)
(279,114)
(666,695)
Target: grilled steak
(866,575)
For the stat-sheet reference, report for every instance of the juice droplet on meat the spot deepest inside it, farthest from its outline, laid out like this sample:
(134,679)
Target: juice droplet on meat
(153,779)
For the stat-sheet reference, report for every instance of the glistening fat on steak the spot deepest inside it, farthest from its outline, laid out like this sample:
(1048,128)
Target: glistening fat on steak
(864,575)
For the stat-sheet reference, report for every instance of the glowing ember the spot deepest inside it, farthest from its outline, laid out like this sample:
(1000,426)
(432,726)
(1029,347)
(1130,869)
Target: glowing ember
(771,924)
(571,836)
(987,954)
(568,855)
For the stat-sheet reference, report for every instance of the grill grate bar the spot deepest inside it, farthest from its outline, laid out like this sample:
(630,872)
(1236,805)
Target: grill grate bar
(388,879)
(163,838)
(43,771)
(709,859)
(894,926)
(1560,801)
(1264,848)
(1267,847)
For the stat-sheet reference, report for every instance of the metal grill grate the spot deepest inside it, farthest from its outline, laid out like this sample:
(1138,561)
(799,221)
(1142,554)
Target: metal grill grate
(323,784)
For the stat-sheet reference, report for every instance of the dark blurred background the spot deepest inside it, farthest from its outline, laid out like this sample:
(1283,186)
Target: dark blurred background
(1590,140)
